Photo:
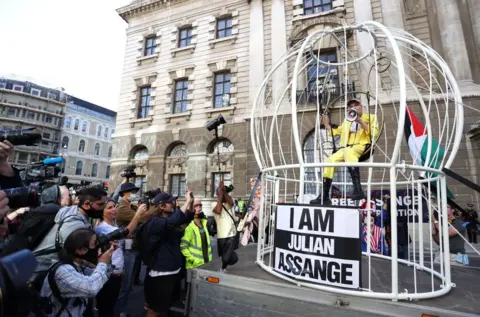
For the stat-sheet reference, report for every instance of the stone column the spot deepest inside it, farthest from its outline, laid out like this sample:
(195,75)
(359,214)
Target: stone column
(453,43)
(279,49)
(474,9)
(393,17)
(256,49)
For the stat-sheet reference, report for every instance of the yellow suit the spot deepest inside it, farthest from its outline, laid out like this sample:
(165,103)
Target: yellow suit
(352,143)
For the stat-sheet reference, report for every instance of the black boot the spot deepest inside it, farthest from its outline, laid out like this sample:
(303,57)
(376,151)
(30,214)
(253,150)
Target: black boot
(327,183)
(357,187)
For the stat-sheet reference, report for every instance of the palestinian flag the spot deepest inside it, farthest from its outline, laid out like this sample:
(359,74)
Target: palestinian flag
(417,139)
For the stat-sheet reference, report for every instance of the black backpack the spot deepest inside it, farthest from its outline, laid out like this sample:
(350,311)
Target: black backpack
(141,244)
(33,229)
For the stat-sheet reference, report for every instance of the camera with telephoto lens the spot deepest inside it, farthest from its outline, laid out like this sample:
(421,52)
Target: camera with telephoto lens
(148,197)
(229,188)
(21,136)
(352,115)
(129,172)
(103,240)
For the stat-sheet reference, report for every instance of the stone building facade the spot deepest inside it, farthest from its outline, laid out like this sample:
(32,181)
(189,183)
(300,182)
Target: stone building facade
(25,103)
(87,141)
(187,61)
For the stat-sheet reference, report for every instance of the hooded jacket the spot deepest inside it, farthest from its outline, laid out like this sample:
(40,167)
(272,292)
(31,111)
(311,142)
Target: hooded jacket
(46,253)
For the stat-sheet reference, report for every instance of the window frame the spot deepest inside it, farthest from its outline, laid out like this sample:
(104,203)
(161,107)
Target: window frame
(105,132)
(95,152)
(51,95)
(76,124)
(181,181)
(184,100)
(36,90)
(150,45)
(109,151)
(309,10)
(67,143)
(84,146)
(221,73)
(107,171)
(144,109)
(142,184)
(3,85)
(68,123)
(16,86)
(94,170)
(215,183)
(81,168)
(84,126)
(226,28)
(188,37)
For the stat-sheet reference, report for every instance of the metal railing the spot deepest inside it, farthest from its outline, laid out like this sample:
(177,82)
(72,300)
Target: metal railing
(324,94)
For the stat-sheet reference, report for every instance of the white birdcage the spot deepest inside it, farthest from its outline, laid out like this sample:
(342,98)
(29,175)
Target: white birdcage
(394,69)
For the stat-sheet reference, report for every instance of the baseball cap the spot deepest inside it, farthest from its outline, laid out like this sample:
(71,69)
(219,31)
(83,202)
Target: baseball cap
(353,101)
(164,198)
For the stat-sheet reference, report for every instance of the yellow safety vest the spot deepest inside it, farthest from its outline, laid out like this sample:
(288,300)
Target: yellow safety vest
(191,245)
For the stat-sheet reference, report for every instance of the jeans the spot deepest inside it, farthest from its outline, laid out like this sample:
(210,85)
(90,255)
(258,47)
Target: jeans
(129,262)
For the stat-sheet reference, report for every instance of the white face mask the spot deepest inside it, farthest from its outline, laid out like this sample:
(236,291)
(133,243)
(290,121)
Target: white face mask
(133,197)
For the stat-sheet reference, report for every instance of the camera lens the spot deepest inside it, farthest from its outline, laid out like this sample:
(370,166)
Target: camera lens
(23,196)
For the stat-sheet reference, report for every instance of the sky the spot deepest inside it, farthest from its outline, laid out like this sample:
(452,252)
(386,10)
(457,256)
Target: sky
(77,45)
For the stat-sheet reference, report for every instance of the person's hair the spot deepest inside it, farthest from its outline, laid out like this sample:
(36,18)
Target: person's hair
(90,193)
(78,239)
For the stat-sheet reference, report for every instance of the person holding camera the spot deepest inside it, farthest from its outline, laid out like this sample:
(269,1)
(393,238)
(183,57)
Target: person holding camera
(9,176)
(227,236)
(70,283)
(160,250)
(356,132)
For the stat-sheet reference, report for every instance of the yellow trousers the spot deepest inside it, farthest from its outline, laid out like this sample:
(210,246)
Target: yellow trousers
(347,154)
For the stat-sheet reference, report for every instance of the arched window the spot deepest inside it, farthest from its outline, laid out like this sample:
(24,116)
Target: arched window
(110,151)
(141,154)
(107,172)
(106,133)
(75,125)
(84,126)
(99,131)
(81,146)
(65,141)
(68,122)
(97,149)
(324,149)
(222,146)
(94,170)
(78,169)
(179,150)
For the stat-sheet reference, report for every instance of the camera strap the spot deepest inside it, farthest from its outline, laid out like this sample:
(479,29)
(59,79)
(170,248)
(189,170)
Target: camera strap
(234,222)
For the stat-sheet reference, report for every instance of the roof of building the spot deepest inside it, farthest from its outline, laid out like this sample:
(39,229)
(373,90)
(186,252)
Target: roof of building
(91,106)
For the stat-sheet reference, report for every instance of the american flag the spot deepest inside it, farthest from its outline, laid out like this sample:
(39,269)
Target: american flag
(375,237)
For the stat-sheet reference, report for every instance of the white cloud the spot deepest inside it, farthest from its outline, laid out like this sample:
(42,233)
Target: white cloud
(78,45)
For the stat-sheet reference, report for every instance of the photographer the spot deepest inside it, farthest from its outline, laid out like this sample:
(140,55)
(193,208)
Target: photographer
(73,283)
(91,203)
(227,235)
(124,216)
(160,240)
(9,176)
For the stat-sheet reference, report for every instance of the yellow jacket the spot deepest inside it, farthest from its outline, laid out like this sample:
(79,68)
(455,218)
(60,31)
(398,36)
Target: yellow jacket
(348,137)
(191,245)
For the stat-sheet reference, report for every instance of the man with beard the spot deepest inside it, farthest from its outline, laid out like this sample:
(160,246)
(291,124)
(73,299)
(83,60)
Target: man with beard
(68,219)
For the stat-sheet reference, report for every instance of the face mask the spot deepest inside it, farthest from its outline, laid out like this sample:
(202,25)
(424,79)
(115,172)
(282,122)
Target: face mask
(133,197)
(91,256)
(94,213)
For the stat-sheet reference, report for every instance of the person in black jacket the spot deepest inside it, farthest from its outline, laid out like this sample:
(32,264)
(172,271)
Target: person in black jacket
(164,234)
(9,176)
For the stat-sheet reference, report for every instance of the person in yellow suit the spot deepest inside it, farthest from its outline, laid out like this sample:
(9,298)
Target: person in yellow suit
(354,137)
(195,244)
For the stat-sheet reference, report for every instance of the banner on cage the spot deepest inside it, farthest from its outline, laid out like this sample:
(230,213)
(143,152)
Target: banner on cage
(408,203)
(318,244)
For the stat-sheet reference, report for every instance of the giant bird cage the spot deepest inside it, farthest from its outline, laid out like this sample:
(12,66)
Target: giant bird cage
(400,80)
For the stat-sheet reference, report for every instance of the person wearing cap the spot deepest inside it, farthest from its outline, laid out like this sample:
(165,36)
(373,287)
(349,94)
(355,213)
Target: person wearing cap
(161,237)
(124,216)
(471,217)
(354,137)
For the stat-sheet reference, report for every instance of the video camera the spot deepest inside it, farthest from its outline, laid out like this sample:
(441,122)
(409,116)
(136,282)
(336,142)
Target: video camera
(129,172)
(37,176)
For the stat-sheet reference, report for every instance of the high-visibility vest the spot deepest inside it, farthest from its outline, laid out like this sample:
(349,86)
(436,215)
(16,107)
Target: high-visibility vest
(191,245)
(241,205)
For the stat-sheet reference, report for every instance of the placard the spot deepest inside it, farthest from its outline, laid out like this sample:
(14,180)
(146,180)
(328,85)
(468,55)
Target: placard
(318,244)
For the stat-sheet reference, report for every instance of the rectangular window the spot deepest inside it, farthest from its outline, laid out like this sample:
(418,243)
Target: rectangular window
(18,88)
(224,27)
(30,115)
(150,45)
(315,6)
(22,158)
(48,119)
(141,182)
(185,37)
(181,94)
(222,90)
(46,135)
(322,77)
(35,92)
(11,111)
(217,177)
(145,100)
(177,185)
(51,96)
(3,85)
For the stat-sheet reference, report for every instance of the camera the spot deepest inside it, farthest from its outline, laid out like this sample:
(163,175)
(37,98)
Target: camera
(229,188)
(215,123)
(129,172)
(148,197)
(24,196)
(103,240)
(352,115)
(21,137)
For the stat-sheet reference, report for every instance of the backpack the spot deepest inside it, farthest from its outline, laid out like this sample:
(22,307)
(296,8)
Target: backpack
(42,306)
(141,243)
(33,229)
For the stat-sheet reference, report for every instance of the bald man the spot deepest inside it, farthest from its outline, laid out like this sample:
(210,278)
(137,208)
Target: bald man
(66,200)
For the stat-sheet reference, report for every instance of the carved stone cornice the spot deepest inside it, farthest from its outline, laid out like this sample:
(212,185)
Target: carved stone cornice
(144,6)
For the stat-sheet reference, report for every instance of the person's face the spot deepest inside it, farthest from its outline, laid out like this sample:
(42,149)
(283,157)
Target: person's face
(450,214)
(168,207)
(109,211)
(357,106)
(91,245)
(94,209)
(131,196)
(197,207)
(66,199)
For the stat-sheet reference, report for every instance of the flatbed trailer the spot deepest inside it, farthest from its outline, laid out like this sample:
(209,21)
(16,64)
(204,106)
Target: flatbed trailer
(248,290)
